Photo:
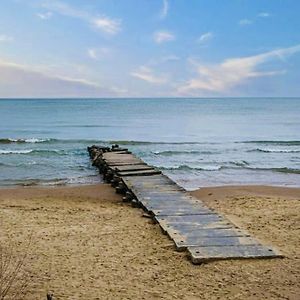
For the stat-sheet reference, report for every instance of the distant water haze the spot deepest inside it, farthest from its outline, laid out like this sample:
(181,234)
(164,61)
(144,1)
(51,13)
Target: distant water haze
(197,142)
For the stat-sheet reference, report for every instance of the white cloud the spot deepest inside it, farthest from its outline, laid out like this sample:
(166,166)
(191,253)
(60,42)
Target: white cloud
(204,38)
(103,23)
(107,25)
(165,9)
(245,22)
(98,53)
(146,74)
(45,16)
(163,36)
(5,38)
(264,15)
(221,78)
(18,80)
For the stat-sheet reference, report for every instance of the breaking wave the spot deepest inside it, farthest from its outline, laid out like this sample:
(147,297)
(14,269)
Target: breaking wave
(32,151)
(279,143)
(170,153)
(189,168)
(21,141)
(275,150)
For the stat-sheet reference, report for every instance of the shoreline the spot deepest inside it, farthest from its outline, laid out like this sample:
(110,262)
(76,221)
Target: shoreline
(263,188)
(87,242)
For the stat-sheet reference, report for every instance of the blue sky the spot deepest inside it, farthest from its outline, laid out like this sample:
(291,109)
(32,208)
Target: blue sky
(149,48)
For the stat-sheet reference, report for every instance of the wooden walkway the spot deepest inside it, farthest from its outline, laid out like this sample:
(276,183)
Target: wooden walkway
(193,227)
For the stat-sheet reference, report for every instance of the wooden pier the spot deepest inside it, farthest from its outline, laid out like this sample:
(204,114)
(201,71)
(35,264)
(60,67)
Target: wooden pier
(192,226)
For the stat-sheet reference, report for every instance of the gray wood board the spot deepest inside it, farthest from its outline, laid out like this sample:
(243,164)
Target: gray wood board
(132,168)
(119,155)
(181,211)
(139,173)
(219,241)
(204,254)
(122,161)
(118,163)
(169,229)
(195,221)
(200,231)
(198,219)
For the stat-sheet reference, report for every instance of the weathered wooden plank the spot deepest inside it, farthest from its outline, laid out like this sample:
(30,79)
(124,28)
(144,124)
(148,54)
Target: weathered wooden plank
(214,232)
(127,160)
(200,255)
(227,230)
(132,168)
(179,211)
(112,155)
(118,163)
(139,173)
(174,204)
(197,219)
(191,221)
(155,178)
(220,241)
(185,228)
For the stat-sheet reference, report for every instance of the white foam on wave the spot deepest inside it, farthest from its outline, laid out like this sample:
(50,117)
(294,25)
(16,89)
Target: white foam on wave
(15,151)
(35,140)
(273,150)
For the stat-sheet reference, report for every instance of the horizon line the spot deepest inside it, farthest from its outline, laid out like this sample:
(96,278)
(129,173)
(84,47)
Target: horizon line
(146,98)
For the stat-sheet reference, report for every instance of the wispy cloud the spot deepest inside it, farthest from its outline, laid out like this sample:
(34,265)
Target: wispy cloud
(220,78)
(245,22)
(107,25)
(5,38)
(17,80)
(45,16)
(64,9)
(103,23)
(163,36)
(165,9)
(99,53)
(264,15)
(147,74)
(205,37)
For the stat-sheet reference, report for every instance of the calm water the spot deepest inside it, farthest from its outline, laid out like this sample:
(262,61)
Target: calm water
(197,142)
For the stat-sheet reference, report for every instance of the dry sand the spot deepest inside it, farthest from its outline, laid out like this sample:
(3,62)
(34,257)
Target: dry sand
(87,244)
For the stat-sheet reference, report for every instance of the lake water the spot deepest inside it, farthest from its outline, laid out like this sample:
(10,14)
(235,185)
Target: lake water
(197,142)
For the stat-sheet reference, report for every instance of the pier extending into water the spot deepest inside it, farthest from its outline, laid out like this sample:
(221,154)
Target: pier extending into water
(189,223)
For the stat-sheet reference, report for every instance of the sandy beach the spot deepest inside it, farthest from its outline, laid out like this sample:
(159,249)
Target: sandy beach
(87,244)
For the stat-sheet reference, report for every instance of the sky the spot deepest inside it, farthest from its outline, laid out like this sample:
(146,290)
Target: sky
(149,48)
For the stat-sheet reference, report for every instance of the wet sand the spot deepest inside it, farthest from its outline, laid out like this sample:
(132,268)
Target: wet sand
(87,244)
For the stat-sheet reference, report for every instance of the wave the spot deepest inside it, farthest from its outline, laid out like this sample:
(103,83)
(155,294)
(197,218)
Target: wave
(170,153)
(238,165)
(15,151)
(21,141)
(287,170)
(32,151)
(124,142)
(189,168)
(275,150)
(90,179)
(95,141)
(242,163)
(280,170)
(279,143)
